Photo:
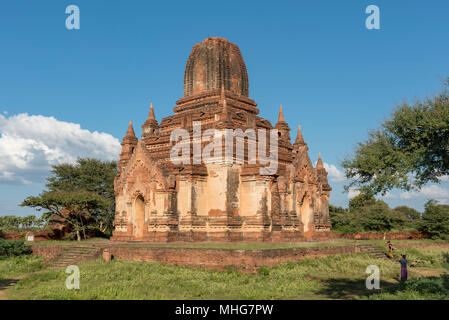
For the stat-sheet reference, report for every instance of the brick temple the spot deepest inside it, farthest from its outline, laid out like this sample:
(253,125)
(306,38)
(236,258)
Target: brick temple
(160,201)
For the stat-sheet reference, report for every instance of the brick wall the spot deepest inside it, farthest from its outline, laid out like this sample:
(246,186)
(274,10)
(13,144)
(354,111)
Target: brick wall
(47,251)
(216,259)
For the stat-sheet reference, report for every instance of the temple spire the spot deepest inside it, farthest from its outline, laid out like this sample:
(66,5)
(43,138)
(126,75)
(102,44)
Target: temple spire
(150,127)
(151,115)
(319,164)
(299,138)
(281,115)
(130,132)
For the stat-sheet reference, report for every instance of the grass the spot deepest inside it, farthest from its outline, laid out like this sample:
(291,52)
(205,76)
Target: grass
(15,266)
(137,280)
(332,277)
(425,288)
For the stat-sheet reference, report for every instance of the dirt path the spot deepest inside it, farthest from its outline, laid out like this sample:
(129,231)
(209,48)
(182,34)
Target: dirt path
(8,284)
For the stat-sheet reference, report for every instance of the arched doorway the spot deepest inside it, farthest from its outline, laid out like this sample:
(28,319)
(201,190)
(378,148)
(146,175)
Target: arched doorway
(139,207)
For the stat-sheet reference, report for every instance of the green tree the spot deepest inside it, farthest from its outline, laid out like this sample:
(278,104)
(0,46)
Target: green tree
(360,201)
(379,217)
(92,179)
(9,223)
(91,175)
(365,213)
(79,207)
(15,223)
(409,213)
(340,218)
(408,151)
(435,220)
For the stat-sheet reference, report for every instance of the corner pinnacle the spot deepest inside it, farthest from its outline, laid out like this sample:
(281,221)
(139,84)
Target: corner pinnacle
(319,164)
(151,115)
(130,132)
(299,138)
(281,115)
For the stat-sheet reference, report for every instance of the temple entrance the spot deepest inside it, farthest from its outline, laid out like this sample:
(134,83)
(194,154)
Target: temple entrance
(306,213)
(139,206)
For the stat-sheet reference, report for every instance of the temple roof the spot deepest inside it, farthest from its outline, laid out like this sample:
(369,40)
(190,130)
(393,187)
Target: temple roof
(213,63)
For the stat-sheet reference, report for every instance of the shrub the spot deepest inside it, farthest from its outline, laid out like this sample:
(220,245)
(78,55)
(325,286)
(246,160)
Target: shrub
(13,248)
(264,271)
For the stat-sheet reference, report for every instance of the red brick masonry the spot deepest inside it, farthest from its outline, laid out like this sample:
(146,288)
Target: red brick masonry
(216,259)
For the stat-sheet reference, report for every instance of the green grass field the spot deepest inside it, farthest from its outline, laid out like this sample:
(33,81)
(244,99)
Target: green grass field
(333,277)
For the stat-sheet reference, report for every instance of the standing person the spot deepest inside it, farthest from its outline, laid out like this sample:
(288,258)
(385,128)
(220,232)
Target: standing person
(390,250)
(403,261)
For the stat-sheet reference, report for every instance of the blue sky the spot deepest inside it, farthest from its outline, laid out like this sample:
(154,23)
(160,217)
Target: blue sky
(66,93)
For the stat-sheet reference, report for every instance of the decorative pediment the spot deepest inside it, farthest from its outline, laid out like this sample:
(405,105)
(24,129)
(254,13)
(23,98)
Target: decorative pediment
(142,167)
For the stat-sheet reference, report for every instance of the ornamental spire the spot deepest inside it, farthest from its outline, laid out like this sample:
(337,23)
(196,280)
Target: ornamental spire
(281,115)
(151,115)
(130,132)
(319,164)
(299,138)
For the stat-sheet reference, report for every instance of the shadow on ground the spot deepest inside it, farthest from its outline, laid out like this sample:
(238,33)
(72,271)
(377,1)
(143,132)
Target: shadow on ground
(343,288)
(7,283)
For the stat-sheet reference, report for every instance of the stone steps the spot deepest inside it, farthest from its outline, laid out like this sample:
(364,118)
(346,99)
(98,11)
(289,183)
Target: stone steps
(372,250)
(73,255)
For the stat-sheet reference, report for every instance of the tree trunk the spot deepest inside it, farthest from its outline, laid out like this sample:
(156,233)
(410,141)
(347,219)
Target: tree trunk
(78,235)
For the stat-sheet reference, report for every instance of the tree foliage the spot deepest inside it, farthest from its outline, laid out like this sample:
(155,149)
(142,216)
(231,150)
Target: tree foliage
(360,201)
(378,217)
(435,220)
(75,208)
(16,223)
(364,214)
(408,151)
(85,190)
(410,213)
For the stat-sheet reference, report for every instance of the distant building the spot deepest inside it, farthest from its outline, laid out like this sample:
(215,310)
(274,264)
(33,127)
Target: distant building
(159,200)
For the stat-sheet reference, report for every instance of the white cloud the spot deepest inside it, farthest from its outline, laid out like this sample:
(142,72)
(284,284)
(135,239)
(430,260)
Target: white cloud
(353,193)
(444,179)
(334,174)
(30,144)
(430,192)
